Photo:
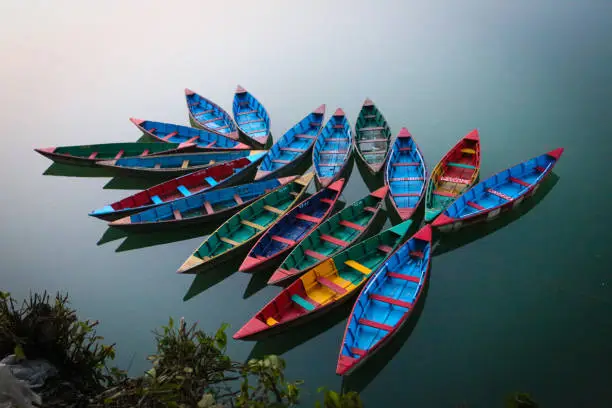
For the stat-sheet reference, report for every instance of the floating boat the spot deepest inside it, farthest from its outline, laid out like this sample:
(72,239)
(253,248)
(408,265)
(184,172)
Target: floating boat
(90,155)
(501,192)
(293,227)
(372,137)
(175,164)
(204,139)
(325,286)
(338,232)
(456,172)
(246,226)
(220,175)
(386,301)
(206,114)
(252,119)
(332,149)
(293,148)
(405,175)
(200,208)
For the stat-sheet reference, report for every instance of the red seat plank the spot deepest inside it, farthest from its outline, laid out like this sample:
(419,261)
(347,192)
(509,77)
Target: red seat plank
(406,194)
(327,201)
(417,254)
(352,225)
(334,240)
(540,169)
(444,193)
(169,135)
(303,136)
(370,209)
(281,161)
(308,218)
(408,278)
(193,139)
(331,285)
(476,206)
(358,352)
(251,121)
(93,155)
(212,120)
(238,199)
(282,240)
(211,144)
(291,149)
(499,194)
(405,149)
(455,180)
(406,164)
(519,181)
(119,154)
(406,179)
(315,124)
(376,325)
(145,152)
(315,255)
(385,248)
(208,207)
(392,301)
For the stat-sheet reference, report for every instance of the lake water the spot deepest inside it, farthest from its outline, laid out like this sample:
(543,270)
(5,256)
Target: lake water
(524,304)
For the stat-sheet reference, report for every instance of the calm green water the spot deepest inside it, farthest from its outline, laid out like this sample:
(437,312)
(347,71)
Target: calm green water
(523,304)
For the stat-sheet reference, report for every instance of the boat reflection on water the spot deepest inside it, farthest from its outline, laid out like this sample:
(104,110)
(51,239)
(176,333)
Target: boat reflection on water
(149,239)
(373,182)
(71,170)
(471,233)
(204,281)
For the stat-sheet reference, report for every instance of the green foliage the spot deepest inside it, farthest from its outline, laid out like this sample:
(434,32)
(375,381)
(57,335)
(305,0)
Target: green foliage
(332,399)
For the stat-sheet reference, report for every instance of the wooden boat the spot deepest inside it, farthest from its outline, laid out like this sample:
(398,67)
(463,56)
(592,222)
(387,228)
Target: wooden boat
(332,149)
(179,163)
(386,301)
(501,192)
(90,155)
(204,139)
(205,114)
(405,175)
(456,172)
(217,176)
(252,119)
(245,227)
(292,228)
(201,208)
(293,148)
(338,232)
(372,137)
(325,286)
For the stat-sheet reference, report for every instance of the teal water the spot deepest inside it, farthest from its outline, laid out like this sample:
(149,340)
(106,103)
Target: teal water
(521,305)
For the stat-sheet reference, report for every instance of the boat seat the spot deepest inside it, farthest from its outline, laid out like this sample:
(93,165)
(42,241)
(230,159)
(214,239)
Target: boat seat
(303,136)
(380,140)
(177,214)
(405,149)
(169,136)
(193,139)
(238,199)
(273,209)
(119,154)
(358,267)
(331,285)
(152,130)
(212,120)
(455,180)
(145,152)
(407,179)
(333,151)
(370,209)
(338,126)
(443,193)
(369,116)
(156,199)
(308,218)
(327,201)
(315,255)
(315,124)
(367,129)
(185,164)
(243,103)
(157,166)
(520,182)
(540,169)
(358,352)
(250,132)
(336,139)
(253,225)
(468,150)
(291,149)
(230,241)
(387,299)
(402,276)
(282,240)
(252,121)
(211,181)
(499,194)
(281,161)
(202,112)
(270,321)
(417,254)
(406,164)
(329,164)
(375,325)
(184,191)
(246,112)
(385,248)
(352,225)
(476,206)
(333,240)
(93,155)
(406,194)
(208,207)
(461,165)
(303,302)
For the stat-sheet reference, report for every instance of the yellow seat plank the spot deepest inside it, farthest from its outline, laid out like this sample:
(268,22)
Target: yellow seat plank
(185,164)
(358,267)
(229,241)
(252,225)
(270,321)
(273,209)
(468,150)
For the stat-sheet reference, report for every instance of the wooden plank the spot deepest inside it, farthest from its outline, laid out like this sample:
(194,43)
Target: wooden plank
(185,164)
(389,300)
(252,225)
(230,241)
(177,214)
(238,199)
(408,278)
(273,209)
(352,225)
(282,240)
(375,325)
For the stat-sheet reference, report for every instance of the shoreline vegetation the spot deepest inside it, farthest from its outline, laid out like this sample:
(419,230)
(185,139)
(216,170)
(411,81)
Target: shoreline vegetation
(189,369)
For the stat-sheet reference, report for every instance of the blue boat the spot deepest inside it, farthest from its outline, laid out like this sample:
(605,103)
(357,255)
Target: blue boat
(204,140)
(386,302)
(332,149)
(293,148)
(252,119)
(201,208)
(292,228)
(178,163)
(406,175)
(206,114)
(501,192)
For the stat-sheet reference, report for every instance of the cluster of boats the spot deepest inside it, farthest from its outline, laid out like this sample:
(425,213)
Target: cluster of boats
(229,171)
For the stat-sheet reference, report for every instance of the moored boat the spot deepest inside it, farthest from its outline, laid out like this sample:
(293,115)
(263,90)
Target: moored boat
(217,176)
(90,155)
(454,174)
(245,227)
(335,234)
(332,150)
(372,137)
(293,148)
(200,208)
(405,174)
(176,164)
(252,119)
(325,286)
(206,114)
(386,302)
(293,227)
(499,193)
(204,139)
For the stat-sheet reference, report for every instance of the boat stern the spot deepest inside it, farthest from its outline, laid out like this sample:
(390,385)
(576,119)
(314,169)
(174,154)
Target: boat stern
(281,276)
(102,212)
(345,364)
(443,220)
(249,264)
(190,264)
(251,328)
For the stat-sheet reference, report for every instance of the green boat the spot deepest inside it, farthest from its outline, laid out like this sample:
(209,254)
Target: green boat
(372,137)
(246,226)
(334,235)
(90,155)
